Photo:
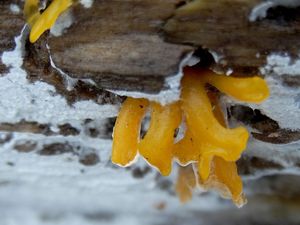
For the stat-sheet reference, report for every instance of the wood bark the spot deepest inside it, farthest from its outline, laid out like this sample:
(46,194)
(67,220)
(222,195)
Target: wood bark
(134,45)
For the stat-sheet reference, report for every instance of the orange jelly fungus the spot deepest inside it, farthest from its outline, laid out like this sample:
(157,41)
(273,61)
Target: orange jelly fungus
(40,22)
(127,131)
(207,143)
(186,183)
(156,146)
(224,179)
(223,176)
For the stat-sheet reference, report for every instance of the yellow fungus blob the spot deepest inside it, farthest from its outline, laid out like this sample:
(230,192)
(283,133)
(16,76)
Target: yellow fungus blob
(40,22)
(186,150)
(246,89)
(31,11)
(156,146)
(127,131)
(201,121)
(207,142)
(224,178)
(204,166)
(186,182)
(189,150)
(215,173)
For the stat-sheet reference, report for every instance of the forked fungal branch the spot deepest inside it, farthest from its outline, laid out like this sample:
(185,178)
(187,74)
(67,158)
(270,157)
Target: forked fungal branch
(207,142)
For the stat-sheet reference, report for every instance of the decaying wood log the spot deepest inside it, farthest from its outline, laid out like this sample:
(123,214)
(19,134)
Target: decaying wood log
(132,51)
(135,45)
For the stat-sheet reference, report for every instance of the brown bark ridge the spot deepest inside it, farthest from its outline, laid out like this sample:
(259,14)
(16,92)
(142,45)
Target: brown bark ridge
(119,45)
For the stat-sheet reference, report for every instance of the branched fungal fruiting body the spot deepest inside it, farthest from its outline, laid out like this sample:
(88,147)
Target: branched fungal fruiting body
(224,178)
(40,22)
(208,143)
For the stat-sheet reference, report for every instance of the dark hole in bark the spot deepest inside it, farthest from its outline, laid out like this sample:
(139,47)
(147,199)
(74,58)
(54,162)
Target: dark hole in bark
(67,129)
(206,58)
(179,4)
(139,172)
(283,15)
(90,159)
(56,149)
